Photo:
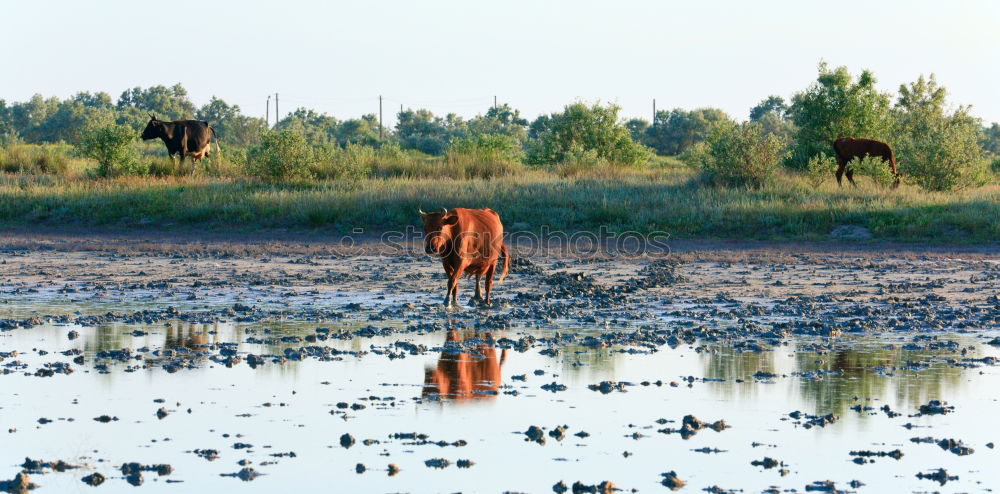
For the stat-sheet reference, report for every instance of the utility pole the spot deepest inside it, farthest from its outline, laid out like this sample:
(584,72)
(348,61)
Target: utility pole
(380,117)
(654,111)
(494,102)
(267,113)
(277,116)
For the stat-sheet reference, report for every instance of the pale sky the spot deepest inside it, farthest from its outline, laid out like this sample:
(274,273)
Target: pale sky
(454,56)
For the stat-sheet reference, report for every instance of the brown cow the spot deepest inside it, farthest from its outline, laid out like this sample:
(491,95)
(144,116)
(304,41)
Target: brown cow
(847,149)
(467,373)
(469,242)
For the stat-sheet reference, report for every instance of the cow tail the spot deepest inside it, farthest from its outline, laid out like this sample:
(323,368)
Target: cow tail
(217,150)
(506,262)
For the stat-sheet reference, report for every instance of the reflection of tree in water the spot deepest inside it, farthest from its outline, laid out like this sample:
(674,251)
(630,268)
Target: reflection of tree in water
(192,336)
(465,371)
(730,365)
(858,376)
(861,378)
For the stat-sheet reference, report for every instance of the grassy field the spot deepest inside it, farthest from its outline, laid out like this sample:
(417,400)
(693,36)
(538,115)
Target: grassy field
(666,198)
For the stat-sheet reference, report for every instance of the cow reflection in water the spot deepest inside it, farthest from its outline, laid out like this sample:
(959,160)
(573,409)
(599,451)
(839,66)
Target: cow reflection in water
(467,369)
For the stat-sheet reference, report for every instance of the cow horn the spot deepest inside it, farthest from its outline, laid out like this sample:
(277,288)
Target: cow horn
(422,213)
(445,211)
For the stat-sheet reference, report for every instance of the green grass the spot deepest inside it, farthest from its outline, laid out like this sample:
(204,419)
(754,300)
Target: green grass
(665,197)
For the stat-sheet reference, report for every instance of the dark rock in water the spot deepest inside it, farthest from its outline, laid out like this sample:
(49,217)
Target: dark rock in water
(135,467)
(437,463)
(768,463)
(18,485)
(954,446)
(895,454)
(822,486)
(95,479)
(558,433)
(554,387)
(208,454)
(464,463)
(393,469)
(134,479)
(246,474)
(104,419)
(560,487)
(606,487)
(161,413)
(935,407)
(347,440)
(814,420)
(73,334)
(672,481)
(38,466)
(940,476)
(535,434)
(360,468)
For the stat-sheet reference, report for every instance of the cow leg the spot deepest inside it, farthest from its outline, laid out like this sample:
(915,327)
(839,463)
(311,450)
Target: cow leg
(840,172)
(452,294)
(479,293)
(489,282)
(850,178)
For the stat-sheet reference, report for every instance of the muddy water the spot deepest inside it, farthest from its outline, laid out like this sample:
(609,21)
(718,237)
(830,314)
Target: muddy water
(359,346)
(477,394)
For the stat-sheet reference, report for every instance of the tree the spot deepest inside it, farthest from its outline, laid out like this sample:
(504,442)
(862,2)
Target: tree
(502,120)
(675,131)
(422,131)
(364,130)
(771,105)
(990,139)
(937,149)
(167,103)
(73,115)
(837,106)
(230,123)
(582,128)
(637,128)
(28,118)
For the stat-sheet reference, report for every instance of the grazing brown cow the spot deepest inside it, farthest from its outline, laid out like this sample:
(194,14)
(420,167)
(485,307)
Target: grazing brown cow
(469,242)
(463,374)
(848,148)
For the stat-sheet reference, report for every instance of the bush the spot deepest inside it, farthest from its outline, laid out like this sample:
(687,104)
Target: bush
(33,158)
(484,156)
(819,168)
(946,158)
(875,168)
(352,162)
(738,155)
(582,128)
(938,149)
(112,146)
(281,156)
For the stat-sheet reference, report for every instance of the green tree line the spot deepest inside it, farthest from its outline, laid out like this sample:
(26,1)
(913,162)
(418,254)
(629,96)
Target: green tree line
(938,146)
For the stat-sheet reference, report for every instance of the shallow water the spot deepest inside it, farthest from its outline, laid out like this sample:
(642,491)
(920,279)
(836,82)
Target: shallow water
(286,407)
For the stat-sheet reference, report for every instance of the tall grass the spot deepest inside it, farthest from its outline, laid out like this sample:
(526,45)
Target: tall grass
(57,159)
(667,199)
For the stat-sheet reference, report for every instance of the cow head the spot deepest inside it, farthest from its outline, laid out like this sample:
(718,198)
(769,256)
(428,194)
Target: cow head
(154,129)
(895,182)
(438,231)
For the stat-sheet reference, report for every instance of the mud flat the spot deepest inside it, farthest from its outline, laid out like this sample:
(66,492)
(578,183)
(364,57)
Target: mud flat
(171,365)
